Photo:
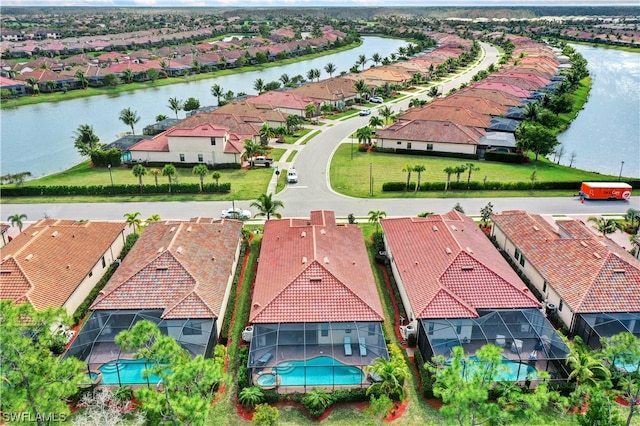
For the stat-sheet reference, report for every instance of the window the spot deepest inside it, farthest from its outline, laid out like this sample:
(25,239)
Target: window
(560,305)
(408,145)
(544,287)
(348,330)
(458,328)
(521,260)
(213,141)
(372,330)
(324,329)
(104,263)
(399,143)
(517,254)
(192,328)
(182,157)
(431,327)
(200,158)
(90,274)
(429,147)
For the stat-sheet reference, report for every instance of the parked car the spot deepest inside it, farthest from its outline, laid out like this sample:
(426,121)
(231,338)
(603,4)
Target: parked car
(292,176)
(364,112)
(236,213)
(376,99)
(262,161)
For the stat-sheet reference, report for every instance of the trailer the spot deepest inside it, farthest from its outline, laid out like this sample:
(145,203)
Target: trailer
(605,191)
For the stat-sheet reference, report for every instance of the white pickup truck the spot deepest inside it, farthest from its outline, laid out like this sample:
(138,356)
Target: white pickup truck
(261,161)
(292,176)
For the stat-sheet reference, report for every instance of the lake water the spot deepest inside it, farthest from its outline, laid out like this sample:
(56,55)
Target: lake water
(39,138)
(607,131)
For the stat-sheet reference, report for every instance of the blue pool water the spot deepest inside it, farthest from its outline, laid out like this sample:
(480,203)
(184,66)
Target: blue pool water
(129,372)
(322,370)
(510,370)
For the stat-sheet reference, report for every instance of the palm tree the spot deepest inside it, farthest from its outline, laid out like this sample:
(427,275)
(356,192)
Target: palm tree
(175,105)
(361,88)
(586,369)
(330,68)
(459,170)
(133,220)
(408,168)
(169,170)
(266,133)
(375,121)
(362,60)
(285,79)
(250,150)
(292,122)
(376,58)
(310,110)
(251,396)
(364,135)
(153,218)
(86,140)
(632,215)
(16,220)
(217,91)
(386,112)
(201,171)
(419,168)
(532,112)
(155,172)
(216,176)
(127,75)
(392,375)
(605,225)
(138,171)
(318,400)
(33,82)
(267,206)
(449,171)
(82,77)
(470,168)
(434,92)
(375,216)
(258,85)
(130,118)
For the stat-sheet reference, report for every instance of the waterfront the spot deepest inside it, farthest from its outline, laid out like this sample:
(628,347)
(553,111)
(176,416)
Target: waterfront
(39,138)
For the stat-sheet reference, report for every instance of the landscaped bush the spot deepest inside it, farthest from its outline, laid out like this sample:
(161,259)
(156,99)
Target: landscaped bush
(226,323)
(380,149)
(505,157)
(106,190)
(350,395)
(426,378)
(436,153)
(100,158)
(363,147)
(243,371)
(495,186)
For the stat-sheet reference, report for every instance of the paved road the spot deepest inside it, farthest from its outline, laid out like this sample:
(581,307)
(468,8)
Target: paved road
(313,191)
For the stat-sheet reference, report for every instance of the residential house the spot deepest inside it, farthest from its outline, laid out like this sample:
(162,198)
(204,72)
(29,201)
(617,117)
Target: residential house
(457,290)
(17,88)
(56,263)
(473,103)
(287,102)
(440,112)
(430,136)
(206,143)
(588,282)
(335,91)
(254,112)
(179,276)
(315,305)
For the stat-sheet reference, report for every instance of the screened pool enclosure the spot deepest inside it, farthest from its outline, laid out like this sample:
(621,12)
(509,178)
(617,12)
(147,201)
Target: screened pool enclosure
(300,356)
(593,327)
(528,339)
(95,344)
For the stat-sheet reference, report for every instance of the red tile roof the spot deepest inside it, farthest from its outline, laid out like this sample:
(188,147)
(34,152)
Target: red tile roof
(431,131)
(477,104)
(450,269)
(439,112)
(588,275)
(493,95)
(47,262)
(312,270)
(181,267)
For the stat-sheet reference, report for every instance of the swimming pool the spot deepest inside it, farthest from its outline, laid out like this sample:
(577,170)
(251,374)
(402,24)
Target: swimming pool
(322,370)
(509,371)
(126,371)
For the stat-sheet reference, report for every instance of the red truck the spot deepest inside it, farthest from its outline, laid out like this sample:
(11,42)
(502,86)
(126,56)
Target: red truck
(605,191)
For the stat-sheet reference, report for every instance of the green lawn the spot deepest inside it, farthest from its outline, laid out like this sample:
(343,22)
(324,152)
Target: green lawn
(351,177)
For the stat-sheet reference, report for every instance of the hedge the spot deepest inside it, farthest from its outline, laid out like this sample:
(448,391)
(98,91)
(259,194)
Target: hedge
(505,157)
(160,165)
(106,190)
(495,186)
(436,153)
(231,303)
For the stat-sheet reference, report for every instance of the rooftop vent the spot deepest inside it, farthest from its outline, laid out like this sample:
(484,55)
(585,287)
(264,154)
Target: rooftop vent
(469,250)
(535,228)
(29,256)
(453,227)
(467,268)
(173,228)
(55,234)
(162,268)
(435,228)
(323,231)
(583,244)
(35,233)
(596,255)
(448,250)
(189,229)
(619,271)
(326,259)
(5,271)
(161,249)
(179,250)
(304,259)
(303,234)
(256,305)
(315,279)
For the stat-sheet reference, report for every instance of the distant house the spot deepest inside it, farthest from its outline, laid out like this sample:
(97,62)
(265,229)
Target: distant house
(457,290)
(591,284)
(206,143)
(284,101)
(178,275)
(17,88)
(315,304)
(56,263)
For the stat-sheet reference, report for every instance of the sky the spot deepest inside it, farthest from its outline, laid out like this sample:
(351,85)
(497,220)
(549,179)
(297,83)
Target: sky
(314,3)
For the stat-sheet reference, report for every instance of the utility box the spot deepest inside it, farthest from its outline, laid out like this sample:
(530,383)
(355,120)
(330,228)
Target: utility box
(605,190)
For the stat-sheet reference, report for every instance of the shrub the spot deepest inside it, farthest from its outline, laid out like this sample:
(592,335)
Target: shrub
(317,401)
(505,157)
(101,158)
(251,396)
(243,371)
(265,415)
(226,322)
(363,147)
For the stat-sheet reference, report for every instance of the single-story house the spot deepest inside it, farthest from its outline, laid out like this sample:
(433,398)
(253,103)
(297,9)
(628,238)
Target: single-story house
(589,282)
(56,263)
(457,290)
(315,306)
(178,275)
(205,143)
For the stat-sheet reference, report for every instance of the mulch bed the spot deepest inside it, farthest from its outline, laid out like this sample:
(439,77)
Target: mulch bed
(397,411)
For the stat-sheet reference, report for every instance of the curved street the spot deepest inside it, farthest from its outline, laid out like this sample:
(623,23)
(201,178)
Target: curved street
(313,190)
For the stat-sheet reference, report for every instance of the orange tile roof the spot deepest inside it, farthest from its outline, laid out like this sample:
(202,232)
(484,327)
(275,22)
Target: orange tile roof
(181,267)
(287,99)
(450,269)
(331,89)
(313,270)
(476,104)
(47,262)
(589,276)
(493,95)
(431,131)
(439,112)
